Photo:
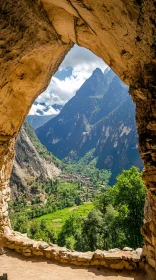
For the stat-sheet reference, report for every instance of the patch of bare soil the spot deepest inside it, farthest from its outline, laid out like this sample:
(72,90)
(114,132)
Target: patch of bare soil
(73,208)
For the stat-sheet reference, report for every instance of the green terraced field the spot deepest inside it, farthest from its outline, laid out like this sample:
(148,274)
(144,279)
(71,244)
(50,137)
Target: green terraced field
(59,217)
(66,186)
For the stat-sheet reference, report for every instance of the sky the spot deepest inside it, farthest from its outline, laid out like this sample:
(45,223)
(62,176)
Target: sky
(77,66)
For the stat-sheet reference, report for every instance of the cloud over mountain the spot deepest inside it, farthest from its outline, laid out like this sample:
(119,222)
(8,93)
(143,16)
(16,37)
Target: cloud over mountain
(77,66)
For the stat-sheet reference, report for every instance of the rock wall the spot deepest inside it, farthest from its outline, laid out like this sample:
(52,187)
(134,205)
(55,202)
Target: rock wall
(114,258)
(145,119)
(7,155)
(35,37)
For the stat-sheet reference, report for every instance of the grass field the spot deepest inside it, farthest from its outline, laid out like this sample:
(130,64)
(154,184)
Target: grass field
(59,217)
(67,186)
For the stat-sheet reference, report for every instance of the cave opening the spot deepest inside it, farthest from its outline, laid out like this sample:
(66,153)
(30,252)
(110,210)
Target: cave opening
(86,119)
(35,37)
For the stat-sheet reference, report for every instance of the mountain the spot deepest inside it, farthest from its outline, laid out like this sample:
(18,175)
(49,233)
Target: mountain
(33,164)
(117,141)
(41,113)
(100,118)
(62,131)
(36,121)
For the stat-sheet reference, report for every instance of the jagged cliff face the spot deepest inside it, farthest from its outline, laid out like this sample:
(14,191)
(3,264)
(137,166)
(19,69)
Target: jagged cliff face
(99,119)
(32,162)
(35,37)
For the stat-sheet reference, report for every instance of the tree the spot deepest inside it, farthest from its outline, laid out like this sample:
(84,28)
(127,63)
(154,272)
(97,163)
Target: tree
(78,200)
(92,231)
(129,200)
(68,232)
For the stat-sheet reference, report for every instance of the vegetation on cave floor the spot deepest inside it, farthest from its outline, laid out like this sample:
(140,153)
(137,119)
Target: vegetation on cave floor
(113,220)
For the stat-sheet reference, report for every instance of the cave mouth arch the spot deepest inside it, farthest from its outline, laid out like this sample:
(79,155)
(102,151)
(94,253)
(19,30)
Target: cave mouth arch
(96,87)
(35,38)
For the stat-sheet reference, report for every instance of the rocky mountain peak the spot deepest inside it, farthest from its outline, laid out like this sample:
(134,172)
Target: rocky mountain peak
(92,120)
(97,71)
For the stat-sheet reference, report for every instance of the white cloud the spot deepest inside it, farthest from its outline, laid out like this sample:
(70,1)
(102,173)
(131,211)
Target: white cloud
(39,109)
(83,58)
(83,63)
(51,111)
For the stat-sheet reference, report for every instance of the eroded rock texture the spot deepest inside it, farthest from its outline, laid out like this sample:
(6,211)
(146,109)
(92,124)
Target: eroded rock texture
(35,37)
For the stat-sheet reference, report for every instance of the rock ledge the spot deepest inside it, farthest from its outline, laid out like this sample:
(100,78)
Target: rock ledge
(114,258)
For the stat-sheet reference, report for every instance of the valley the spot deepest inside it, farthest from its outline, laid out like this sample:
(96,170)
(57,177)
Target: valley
(85,218)
(96,126)
(71,188)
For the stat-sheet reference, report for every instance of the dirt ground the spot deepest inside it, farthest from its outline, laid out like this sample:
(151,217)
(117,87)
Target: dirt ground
(21,268)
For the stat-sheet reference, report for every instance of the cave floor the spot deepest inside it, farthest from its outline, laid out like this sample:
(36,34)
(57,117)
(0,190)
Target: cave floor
(19,267)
